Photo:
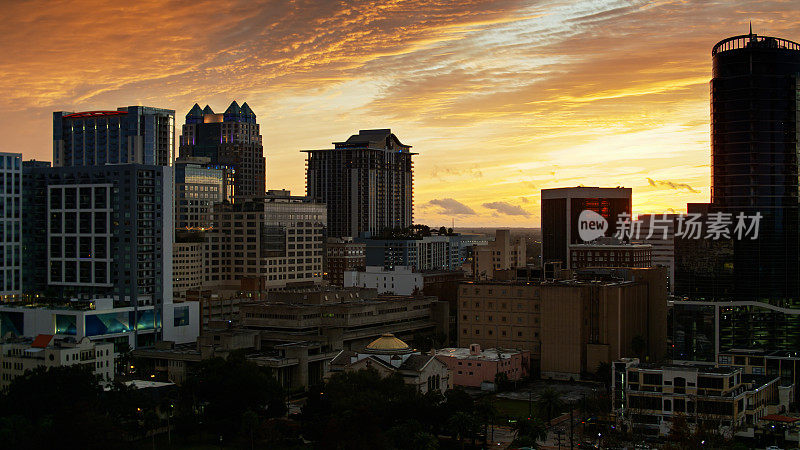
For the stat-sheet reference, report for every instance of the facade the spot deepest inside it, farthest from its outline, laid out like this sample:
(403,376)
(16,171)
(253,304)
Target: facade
(569,326)
(20,355)
(10,226)
(367,183)
(388,356)
(651,397)
(658,230)
(275,240)
(187,266)
(561,209)
(610,253)
(473,366)
(342,255)
(231,140)
(198,185)
(754,148)
(99,231)
(785,365)
(500,254)
(400,280)
(129,135)
(101,321)
(421,254)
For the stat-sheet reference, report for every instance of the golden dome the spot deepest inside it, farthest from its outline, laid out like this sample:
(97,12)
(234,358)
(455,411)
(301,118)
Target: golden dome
(387,343)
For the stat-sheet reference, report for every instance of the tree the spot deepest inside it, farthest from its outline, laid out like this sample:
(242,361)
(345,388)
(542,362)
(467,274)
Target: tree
(528,432)
(250,420)
(550,403)
(412,435)
(462,426)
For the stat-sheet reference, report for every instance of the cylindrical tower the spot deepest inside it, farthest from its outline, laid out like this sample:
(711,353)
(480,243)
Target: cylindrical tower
(754,159)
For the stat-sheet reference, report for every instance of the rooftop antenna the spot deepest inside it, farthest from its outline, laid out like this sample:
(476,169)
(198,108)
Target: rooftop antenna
(751,28)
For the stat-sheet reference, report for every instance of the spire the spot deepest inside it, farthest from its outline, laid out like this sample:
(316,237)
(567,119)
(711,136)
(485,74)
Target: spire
(751,28)
(208,110)
(233,109)
(195,111)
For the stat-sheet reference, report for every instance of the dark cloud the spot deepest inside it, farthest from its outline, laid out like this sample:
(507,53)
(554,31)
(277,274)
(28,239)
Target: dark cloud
(450,207)
(507,208)
(671,185)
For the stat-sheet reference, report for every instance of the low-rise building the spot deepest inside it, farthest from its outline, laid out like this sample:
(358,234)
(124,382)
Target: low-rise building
(610,252)
(475,367)
(724,398)
(400,280)
(19,355)
(389,355)
(498,255)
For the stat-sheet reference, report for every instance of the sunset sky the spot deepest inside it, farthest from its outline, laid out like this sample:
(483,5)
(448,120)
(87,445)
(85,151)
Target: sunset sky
(500,98)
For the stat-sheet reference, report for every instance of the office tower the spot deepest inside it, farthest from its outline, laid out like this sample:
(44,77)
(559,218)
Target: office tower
(133,134)
(421,254)
(274,240)
(342,255)
(10,226)
(754,160)
(366,181)
(561,209)
(100,231)
(198,185)
(231,139)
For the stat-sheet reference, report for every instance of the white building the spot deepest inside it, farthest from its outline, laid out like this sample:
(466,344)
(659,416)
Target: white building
(10,226)
(20,355)
(101,321)
(658,230)
(401,280)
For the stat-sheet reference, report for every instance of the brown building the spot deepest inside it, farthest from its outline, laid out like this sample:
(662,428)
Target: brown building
(569,326)
(498,255)
(342,255)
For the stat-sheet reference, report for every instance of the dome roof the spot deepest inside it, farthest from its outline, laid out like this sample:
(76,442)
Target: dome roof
(387,343)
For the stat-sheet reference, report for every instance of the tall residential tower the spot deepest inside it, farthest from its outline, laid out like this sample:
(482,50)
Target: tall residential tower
(366,181)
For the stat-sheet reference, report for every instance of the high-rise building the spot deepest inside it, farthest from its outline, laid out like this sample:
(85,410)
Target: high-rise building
(342,255)
(367,183)
(198,185)
(561,209)
(658,230)
(132,134)
(500,254)
(99,231)
(231,139)
(435,252)
(10,226)
(754,160)
(275,240)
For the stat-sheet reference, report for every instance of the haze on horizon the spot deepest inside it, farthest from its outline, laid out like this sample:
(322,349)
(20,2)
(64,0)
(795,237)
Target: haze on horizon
(500,98)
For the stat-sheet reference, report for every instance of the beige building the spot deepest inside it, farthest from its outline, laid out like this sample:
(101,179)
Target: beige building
(276,240)
(187,268)
(500,254)
(20,355)
(569,326)
(723,399)
(388,356)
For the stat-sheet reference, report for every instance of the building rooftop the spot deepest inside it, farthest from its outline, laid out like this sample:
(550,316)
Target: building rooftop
(489,354)
(387,343)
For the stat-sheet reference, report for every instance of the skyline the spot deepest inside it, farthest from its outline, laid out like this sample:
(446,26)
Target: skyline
(596,94)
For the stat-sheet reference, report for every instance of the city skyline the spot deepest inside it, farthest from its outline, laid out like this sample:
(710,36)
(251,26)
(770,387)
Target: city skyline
(598,94)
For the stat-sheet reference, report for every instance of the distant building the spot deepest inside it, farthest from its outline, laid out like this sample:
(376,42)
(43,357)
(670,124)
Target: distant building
(658,230)
(275,239)
(420,253)
(187,266)
(367,183)
(11,227)
(500,254)
(475,367)
(129,135)
(389,355)
(20,355)
(721,399)
(561,209)
(610,252)
(231,140)
(400,280)
(342,255)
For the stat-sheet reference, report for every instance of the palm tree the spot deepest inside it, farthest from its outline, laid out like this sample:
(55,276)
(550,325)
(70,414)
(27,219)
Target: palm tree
(486,413)
(462,425)
(251,422)
(528,432)
(550,403)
